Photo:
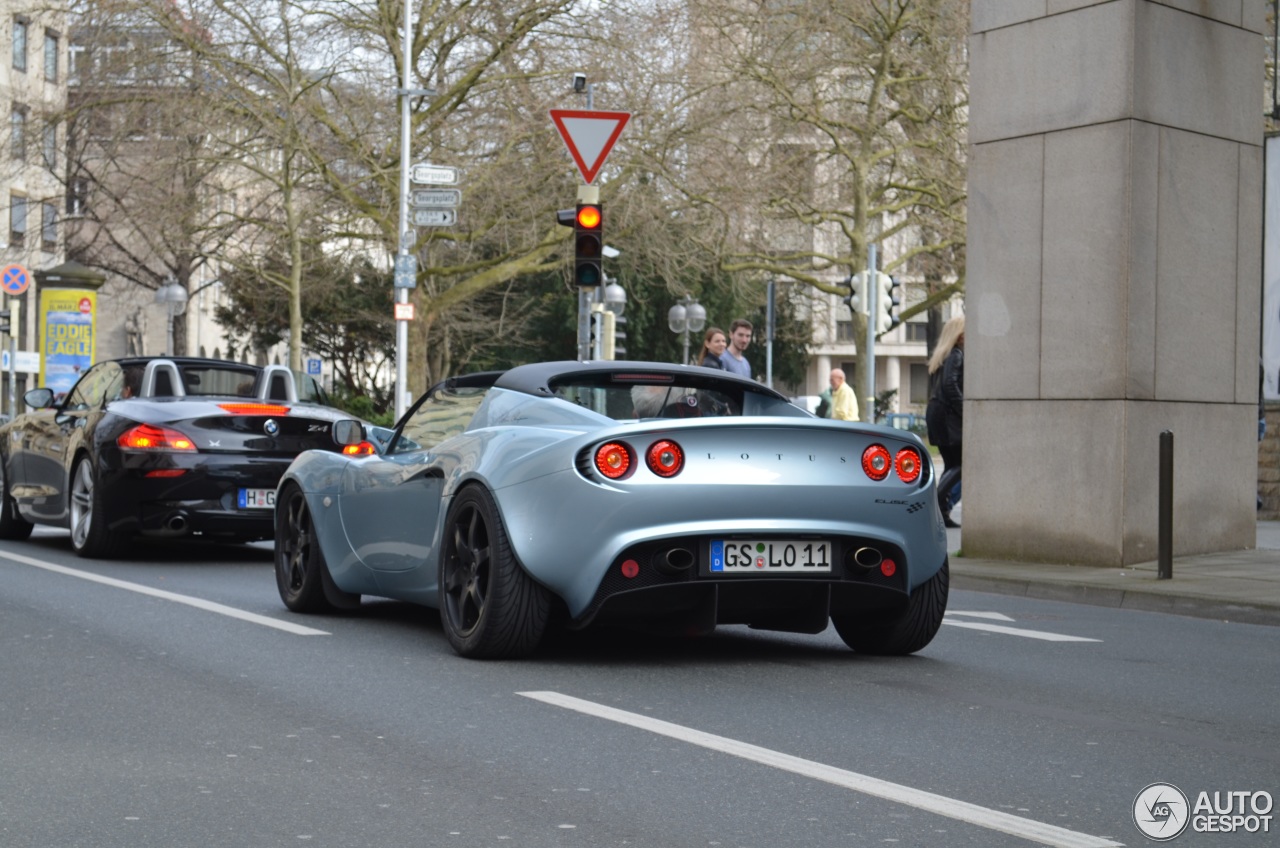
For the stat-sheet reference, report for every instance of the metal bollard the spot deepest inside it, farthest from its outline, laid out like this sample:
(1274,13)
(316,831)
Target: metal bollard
(1165,555)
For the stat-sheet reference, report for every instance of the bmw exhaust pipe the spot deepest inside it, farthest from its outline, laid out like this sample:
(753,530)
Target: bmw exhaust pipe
(177,522)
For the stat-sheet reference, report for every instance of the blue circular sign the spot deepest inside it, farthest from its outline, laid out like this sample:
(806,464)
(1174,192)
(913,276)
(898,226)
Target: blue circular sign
(14,279)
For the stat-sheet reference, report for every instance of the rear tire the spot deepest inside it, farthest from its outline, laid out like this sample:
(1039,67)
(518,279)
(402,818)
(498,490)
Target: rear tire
(906,632)
(90,536)
(12,525)
(489,606)
(302,575)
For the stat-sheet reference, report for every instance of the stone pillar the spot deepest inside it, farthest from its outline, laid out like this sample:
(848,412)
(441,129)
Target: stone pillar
(1114,276)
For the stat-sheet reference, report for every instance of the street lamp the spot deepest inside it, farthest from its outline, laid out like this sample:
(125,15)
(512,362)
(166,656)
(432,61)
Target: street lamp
(687,315)
(174,297)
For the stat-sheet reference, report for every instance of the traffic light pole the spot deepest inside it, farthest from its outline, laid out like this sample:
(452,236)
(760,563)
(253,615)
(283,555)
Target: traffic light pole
(587,294)
(873,298)
(402,294)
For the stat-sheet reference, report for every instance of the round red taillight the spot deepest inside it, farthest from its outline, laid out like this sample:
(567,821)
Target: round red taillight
(630,568)
(876,462)
(665,458)
(888,567)
(907,464)
(613,460)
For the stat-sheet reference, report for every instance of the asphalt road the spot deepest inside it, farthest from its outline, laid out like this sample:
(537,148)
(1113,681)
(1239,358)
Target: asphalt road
(179,704)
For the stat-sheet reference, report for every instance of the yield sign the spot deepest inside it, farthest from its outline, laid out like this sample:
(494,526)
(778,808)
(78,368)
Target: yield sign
(589,136)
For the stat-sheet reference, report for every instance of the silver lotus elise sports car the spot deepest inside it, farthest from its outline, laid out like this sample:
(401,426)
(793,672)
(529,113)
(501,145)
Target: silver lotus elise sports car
(645,494)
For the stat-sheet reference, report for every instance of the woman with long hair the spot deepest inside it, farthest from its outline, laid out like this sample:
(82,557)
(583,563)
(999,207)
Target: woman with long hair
(944,416)
(713,344)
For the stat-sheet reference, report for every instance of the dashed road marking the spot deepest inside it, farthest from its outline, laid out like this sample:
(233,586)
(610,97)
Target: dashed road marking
(198,603)
(1009,631)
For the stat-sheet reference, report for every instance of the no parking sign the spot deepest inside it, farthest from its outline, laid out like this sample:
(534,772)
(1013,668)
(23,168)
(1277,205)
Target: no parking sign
(14,279)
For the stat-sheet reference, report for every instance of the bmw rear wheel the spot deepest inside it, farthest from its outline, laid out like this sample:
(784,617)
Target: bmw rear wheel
(489,606)
(90,536)
(12,525)
(905,632)
(302,575)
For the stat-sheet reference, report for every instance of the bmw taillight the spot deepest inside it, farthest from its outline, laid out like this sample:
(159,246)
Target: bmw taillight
(613,460)
(876,462)
(254,408)
(149,437)
(360,449)
(907,464)
(665,458)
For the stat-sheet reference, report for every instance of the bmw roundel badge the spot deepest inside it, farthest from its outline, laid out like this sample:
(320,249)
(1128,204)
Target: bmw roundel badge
(271,427)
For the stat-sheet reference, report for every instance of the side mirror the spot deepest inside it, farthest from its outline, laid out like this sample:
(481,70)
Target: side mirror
(347,432)
(39,398)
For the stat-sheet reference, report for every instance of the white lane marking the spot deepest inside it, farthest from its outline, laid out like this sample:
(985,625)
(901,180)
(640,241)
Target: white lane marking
(994,616)
(1018,631)
(208,606)
(1045,834)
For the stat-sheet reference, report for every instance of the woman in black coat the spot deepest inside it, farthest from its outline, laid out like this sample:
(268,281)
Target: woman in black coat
(944,416)
(713,344)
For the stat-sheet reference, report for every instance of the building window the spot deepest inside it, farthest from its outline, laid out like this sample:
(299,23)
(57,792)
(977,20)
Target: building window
(18,133)
(51,56)
(49,227)
(77,63)
(20,44)
(49,147)
(77,196)
(17,220)
(844,332)
(918,331)
(919,384)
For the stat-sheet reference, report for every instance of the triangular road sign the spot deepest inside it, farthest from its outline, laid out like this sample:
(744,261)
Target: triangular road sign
(589,136)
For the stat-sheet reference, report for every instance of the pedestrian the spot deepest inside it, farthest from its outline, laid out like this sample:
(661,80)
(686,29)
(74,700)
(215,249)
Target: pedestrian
(713,344)
(844,403)
(734,357)
(824,404)
(944,416)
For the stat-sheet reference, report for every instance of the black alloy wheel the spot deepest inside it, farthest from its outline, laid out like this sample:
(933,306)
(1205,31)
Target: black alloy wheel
(302,575)
(489,605)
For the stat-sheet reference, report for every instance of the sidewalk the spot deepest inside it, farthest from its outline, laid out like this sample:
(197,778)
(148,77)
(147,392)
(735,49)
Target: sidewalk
(1241,586)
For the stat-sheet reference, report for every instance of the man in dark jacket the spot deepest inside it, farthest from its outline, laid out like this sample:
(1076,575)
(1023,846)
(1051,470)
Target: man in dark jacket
(944,416)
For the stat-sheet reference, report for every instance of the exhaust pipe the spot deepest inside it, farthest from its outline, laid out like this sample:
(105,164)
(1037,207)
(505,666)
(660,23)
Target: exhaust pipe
(867,557)
(674,561)
(176,522)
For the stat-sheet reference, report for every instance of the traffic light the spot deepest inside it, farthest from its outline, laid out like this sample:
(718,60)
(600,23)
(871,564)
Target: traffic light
(619,338)
(588,245)
(887,313)
(856,299)
(7,319)
(609,326)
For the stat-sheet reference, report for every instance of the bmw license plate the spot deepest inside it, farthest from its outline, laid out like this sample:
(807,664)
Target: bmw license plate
(257,498)
(764,556)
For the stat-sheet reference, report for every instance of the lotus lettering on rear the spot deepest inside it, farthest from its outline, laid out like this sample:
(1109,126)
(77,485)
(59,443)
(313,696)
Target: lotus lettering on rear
(271,428)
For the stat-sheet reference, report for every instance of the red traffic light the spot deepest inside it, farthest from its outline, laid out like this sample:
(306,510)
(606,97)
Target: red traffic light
(588,217)
(588,245)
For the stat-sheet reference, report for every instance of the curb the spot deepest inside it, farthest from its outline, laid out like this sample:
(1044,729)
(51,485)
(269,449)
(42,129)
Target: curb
(1196,607)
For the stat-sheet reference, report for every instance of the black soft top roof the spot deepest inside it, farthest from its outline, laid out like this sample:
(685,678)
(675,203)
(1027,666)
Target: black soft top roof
(535,379)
